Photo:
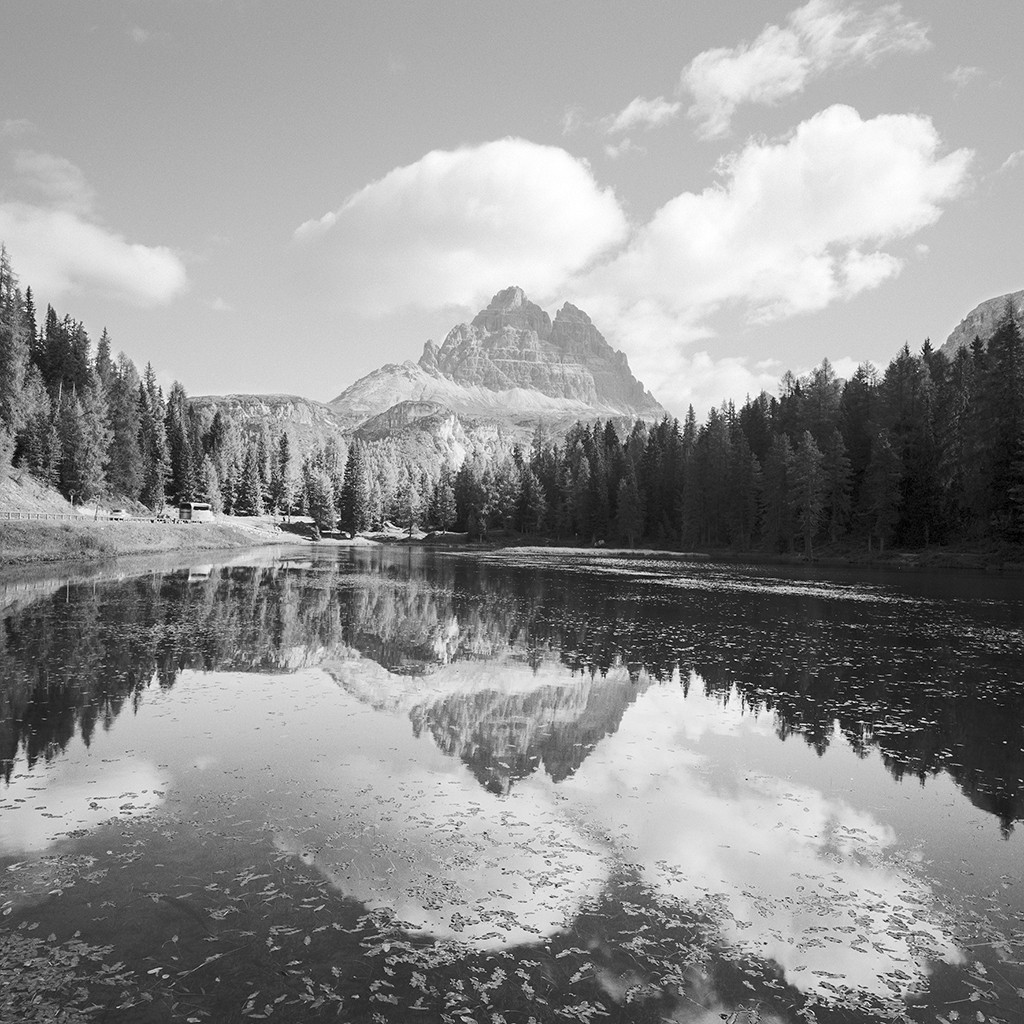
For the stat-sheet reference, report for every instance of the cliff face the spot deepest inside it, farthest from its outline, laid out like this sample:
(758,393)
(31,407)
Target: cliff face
(307,422)
(513,343)
(511,362)
(981,322)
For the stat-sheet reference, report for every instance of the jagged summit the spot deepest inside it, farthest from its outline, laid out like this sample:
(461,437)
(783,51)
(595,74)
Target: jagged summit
(511,361)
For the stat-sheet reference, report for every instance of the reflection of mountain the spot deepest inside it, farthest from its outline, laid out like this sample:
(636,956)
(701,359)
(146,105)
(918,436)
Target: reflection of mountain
(476,655)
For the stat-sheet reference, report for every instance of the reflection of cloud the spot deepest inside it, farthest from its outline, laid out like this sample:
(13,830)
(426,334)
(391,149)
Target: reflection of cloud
(796,877)
(448,861)
(56,801)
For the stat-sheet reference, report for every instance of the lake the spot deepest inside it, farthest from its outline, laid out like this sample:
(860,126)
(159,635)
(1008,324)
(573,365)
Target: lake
(519,786)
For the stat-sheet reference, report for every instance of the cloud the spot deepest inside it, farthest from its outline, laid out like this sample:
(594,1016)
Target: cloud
(616,149)
(963,74)
(790,227)
(13,127)
(58,251)
(817,38)
(643,113)
(59,181)
(1014,160)
(443,230)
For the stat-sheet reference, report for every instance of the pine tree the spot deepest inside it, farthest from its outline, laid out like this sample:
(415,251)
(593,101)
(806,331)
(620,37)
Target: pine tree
(808,488)
(210,487)
(153,442)
(534,503)
(320,496)
(250,500)
(127,471)
(630,516)
(881,497)
(281,482)
(1002,408)
(836,497)
(104,364)
(355,491)
(15,352)
(777,514)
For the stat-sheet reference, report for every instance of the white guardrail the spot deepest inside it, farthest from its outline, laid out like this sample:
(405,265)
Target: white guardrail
(88,517)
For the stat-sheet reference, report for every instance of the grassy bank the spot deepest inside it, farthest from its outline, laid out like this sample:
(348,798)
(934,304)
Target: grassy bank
(24,542)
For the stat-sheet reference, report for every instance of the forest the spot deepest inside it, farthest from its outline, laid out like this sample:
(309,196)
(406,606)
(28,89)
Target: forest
(928,451)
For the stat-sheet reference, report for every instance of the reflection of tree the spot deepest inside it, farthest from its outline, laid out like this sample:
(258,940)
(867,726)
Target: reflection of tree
(929,695)
(73,661)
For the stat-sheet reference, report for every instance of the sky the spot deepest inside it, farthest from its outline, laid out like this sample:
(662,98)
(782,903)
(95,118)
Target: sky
(279,198)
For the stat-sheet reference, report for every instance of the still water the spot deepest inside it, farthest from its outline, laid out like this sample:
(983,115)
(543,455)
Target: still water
(389,785)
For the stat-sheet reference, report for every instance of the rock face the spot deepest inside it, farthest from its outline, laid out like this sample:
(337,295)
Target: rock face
(981,322)
(512,361)
(307,422)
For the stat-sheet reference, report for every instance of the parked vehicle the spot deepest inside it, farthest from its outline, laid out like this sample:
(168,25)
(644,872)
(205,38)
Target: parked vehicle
(119,513)
(195,512)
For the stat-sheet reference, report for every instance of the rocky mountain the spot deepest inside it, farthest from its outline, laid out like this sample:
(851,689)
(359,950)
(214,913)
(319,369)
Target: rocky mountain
(496,377)
(981,322)
(307,422)
(513,364)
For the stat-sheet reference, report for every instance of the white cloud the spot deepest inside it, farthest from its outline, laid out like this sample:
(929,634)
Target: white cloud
(60,182)
(443,230)
(616,149)
(58,251)
(817,38)
(1013,161)
(963,74)
(790,227)
(643,113)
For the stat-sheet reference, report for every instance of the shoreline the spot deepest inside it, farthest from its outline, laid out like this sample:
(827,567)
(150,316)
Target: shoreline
(24,543)
(39,542)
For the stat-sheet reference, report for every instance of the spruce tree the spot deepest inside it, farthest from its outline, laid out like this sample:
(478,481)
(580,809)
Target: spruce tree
(808,488)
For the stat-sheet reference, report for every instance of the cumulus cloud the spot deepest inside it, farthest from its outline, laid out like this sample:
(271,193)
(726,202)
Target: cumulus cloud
(643,113)
(59,245)
(818,37)
(443,230)
(58,251)
(790,227)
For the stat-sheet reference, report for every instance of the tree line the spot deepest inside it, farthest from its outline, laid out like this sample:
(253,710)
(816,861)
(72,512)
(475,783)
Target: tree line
(929,451)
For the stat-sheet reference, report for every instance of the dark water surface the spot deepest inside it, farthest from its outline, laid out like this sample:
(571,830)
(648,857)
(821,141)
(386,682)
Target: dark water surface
(389,785)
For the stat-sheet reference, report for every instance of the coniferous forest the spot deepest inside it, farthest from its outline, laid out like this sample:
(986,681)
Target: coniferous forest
(928,451)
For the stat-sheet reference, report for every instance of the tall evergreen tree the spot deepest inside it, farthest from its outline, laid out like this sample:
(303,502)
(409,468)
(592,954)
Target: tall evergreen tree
(808,488)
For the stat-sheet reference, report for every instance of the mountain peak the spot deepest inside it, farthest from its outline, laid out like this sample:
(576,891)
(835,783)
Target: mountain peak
(512,358)
(511,308)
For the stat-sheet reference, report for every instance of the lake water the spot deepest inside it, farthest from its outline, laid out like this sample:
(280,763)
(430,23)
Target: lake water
(390,785)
